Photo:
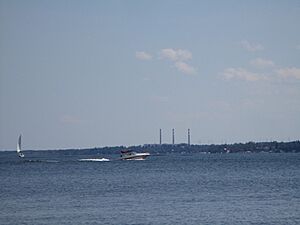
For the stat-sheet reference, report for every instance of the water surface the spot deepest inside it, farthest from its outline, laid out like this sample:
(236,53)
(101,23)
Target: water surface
(164,189)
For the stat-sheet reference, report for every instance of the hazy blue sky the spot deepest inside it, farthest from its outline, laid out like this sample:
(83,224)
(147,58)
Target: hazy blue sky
(76,74)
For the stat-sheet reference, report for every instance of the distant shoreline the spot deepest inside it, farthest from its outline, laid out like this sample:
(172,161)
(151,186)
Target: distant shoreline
(249,147)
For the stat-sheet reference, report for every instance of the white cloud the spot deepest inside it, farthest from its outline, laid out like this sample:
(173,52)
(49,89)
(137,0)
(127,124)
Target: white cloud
(176,54)
(242,74)
(251,47)
(262,63)
(179,57)
(289,72)
(143,56)
(185,68)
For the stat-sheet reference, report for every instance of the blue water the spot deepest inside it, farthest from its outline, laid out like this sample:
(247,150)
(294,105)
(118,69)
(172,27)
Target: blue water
(165,189)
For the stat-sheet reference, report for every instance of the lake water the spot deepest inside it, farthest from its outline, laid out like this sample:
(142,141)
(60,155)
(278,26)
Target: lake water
(163,189)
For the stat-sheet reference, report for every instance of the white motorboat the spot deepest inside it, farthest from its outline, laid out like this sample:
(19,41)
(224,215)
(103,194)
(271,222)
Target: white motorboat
(130,155)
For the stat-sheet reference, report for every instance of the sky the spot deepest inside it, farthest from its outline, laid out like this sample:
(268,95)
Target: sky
(84,74)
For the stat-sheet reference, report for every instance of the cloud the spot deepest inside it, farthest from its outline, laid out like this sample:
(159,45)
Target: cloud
(289,72)
(185,68)
(262,63)
(179,58)
(298,47)
(242,74)
(176,54)
(251,47)
(143,56)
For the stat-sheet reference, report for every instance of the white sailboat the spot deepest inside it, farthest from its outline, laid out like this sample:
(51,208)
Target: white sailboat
(20,154)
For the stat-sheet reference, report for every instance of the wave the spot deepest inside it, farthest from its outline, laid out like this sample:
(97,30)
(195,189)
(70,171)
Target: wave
(40,161)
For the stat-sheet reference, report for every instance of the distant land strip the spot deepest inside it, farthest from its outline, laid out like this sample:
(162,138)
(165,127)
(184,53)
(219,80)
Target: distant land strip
(249,147)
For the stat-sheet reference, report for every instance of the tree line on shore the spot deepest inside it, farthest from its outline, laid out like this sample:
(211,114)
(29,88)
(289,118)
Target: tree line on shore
(253,147)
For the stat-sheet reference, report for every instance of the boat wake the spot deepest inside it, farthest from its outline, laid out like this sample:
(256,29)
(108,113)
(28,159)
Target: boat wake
(50,161)
(39,161)
(94,160)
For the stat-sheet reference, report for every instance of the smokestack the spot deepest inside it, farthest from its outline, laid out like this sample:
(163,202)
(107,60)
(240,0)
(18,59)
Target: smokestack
(189,137)
(173,137)
(160,136)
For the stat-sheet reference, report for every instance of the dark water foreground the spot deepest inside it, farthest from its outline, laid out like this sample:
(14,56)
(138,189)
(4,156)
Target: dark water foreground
(167,189)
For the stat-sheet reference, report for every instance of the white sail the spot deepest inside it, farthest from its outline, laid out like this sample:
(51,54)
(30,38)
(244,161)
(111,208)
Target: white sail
(19,147)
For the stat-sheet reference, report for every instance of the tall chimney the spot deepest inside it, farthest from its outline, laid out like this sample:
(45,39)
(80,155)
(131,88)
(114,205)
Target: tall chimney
(173,137)
(189,137)
(160,139)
